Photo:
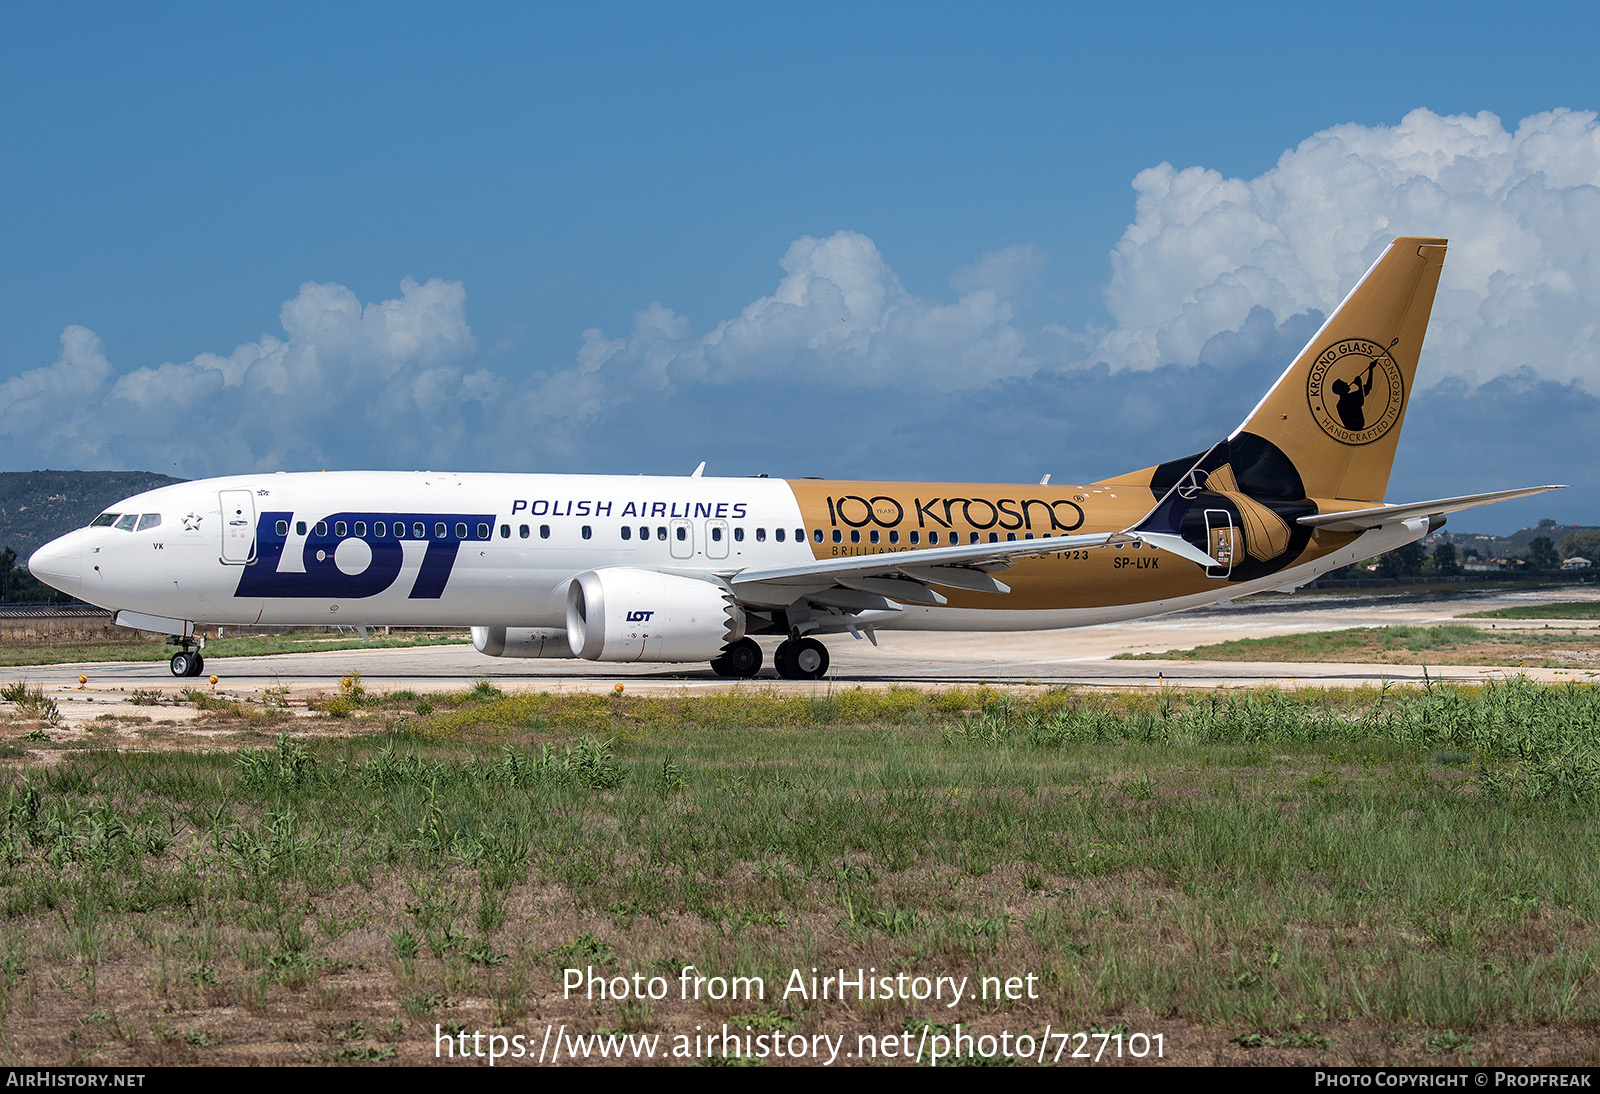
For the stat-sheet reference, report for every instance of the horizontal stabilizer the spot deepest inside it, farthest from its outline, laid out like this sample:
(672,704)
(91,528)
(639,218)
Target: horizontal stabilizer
(1359,520)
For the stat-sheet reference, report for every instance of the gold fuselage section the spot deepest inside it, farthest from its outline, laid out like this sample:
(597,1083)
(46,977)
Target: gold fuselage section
(877,518)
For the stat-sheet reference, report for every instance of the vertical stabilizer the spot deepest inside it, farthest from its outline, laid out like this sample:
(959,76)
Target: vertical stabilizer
(1337,411)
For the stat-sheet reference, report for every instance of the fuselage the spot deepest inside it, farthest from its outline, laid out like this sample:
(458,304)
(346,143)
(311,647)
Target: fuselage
(434,549)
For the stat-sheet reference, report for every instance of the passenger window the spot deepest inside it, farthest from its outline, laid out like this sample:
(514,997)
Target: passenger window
(439,530)
(505,531)
(716,535)
(933,538)
(322,527)
(523,531)
(149,521)
(777,534)
(661,533)
(299,527)
(340,528)
(738,535)
(461,531)
(817,534)
(683,534)
(104,520)
(544,531)
(838,536)
(916,537)
(994,537)
(644,533)
(587,531)
(974,538)
(873,535)
(483,531)
(855,535)
(282,528)
(799,534)
(761,534)
(627,533)
(419,530)
(894,537)
(1012,535)
(381,529)
(361,529)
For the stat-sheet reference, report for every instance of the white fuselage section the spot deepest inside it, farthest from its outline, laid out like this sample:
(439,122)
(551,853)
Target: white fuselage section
(420,548)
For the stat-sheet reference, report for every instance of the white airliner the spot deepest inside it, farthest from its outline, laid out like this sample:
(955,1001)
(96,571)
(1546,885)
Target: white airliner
(615,568)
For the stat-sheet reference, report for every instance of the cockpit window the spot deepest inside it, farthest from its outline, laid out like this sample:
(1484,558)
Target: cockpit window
(104,520)
(127,522)
(148,521)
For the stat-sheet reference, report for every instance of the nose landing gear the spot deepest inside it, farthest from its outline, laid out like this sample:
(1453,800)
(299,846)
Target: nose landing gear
(187,661)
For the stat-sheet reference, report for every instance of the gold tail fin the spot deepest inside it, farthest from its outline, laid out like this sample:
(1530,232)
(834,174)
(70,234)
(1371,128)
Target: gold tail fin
(1337,411)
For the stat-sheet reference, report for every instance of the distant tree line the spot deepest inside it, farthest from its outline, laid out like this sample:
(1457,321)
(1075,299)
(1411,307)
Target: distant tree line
(1415,560)
(18,586)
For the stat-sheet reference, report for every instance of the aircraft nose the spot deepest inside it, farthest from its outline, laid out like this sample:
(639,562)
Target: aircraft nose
(59,563)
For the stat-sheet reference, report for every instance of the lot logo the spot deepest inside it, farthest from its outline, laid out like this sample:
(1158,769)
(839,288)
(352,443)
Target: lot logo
(640,617)
(1355,391)
(323,564)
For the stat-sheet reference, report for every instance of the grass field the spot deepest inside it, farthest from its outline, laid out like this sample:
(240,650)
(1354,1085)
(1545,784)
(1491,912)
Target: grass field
(1360,877)
(1566,609)
(1446,644)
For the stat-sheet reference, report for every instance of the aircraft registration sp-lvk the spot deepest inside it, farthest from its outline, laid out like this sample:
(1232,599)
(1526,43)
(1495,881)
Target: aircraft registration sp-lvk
(614,568)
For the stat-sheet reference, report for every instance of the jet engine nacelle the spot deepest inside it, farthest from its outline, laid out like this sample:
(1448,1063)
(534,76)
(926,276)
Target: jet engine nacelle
(521,641)
(623,614)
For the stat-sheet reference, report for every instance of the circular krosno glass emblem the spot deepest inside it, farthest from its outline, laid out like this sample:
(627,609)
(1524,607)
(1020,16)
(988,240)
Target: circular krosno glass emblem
(1356,391)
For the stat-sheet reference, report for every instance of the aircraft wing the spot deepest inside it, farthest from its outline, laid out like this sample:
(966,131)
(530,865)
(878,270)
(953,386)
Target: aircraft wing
(1359,520)
(877,579)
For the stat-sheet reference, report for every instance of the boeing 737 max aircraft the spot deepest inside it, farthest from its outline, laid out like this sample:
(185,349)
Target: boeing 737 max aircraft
(615,568)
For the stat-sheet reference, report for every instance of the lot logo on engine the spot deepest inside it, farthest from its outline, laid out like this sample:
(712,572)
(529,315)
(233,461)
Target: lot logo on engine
(640,617)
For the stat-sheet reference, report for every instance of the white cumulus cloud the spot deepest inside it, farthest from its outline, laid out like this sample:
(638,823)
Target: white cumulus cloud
(1521,209)
(1212,286)
(344,377)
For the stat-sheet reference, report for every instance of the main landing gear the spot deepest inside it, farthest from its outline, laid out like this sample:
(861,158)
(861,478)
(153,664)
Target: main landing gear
(801,659)
(741,658)
(796,659)
(187,661)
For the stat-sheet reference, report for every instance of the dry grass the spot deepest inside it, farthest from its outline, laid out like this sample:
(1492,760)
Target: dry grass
(1361,878)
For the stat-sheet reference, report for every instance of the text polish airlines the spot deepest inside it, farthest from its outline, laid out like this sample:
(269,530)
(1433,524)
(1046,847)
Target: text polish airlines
(614,568)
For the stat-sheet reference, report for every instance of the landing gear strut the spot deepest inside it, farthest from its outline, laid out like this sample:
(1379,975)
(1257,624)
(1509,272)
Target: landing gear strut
(741,658)
(801,659)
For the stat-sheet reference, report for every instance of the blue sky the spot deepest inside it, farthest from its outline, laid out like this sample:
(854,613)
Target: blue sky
(920,241)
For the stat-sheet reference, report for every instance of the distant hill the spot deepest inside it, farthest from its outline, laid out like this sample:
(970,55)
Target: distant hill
(38,506)
(1514,545)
